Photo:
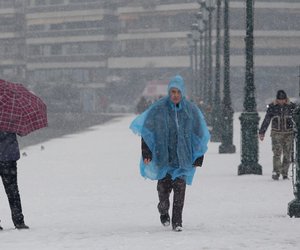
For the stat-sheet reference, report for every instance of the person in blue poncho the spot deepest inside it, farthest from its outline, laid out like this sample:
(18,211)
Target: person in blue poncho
(174,141)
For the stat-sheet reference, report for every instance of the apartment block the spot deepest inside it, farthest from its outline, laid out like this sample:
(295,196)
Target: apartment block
(152,38)
(12,40)
(77,54)
(276,49)
(152,42)
(68,43)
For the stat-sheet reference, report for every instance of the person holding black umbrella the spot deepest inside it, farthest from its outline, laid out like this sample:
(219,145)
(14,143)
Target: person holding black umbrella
(9,154)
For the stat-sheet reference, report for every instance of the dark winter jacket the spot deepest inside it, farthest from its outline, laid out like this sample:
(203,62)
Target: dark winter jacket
(9,148)
(281,117)
(147,154)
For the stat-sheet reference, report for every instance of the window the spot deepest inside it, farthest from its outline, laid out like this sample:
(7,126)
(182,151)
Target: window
(72,49)
(80,1)
(52,2)
(89,48)
(56,49)
(40,2)
(56,26)
(9,71)
(37,27)
(79,75)
(35,50)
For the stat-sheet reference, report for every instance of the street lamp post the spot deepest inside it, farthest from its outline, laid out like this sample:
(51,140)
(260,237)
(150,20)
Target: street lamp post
(216,110)
(210,6)
(200,90)
(205,56)
(227,123)
(190,43)
(196,37)
(249,118)
(294,205)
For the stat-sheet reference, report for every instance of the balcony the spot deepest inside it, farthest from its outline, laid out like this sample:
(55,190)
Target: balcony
(66,33)
(66,58)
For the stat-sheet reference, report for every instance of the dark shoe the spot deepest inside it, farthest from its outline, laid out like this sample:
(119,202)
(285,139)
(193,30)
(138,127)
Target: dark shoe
(275,176)
(177,227)
(21,226)
(285,177)
(165,220)
(1,228)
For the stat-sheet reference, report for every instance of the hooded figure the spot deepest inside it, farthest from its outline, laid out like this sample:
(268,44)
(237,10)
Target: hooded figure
(174,140)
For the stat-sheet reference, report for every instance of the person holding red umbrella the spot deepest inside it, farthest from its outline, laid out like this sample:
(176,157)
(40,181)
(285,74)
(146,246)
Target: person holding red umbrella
(9,154)
(21,112)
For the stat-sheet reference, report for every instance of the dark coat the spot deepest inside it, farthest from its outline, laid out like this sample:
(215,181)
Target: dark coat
(147,154)
(9,147)
(281,117)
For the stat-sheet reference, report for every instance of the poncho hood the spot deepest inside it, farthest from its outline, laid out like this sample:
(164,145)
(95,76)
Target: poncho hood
(177,82)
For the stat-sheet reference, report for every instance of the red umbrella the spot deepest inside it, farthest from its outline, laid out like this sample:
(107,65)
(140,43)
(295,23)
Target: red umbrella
(21,111)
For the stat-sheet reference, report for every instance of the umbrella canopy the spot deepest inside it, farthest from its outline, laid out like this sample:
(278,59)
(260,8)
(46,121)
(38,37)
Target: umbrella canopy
(21,111)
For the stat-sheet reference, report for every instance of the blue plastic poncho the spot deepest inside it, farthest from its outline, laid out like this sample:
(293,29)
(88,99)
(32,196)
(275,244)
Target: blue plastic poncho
(176,135)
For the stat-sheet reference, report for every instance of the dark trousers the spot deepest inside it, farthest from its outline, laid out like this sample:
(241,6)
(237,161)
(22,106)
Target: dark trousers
(164,188)
(8,173)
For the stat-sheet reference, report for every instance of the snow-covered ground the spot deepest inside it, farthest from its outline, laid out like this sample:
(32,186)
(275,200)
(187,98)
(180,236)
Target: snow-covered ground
(84,191)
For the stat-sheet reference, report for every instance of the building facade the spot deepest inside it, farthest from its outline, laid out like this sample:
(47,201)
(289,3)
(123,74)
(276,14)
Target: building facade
(276,49)
(79,55)
(68,43)
(12,40)
(152,42)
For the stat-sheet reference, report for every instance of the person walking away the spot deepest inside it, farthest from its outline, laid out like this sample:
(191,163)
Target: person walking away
(280,113)
(9,154)
(174,141)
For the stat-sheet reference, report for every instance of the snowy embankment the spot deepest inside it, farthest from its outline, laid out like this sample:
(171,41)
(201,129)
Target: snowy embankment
(83,191)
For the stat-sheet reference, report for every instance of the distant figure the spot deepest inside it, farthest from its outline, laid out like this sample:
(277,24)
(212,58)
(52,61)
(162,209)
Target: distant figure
(280,113)
(9,154)
(142,105)
(174,141)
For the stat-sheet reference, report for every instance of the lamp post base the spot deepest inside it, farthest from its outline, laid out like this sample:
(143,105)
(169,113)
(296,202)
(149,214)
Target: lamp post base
(249,168)
(226,149)
(249,144)
(294,208)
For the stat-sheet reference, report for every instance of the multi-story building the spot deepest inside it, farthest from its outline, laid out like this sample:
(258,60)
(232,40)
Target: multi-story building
(12,40)
(152,43)
(82,52)
(68,43)
(276,48)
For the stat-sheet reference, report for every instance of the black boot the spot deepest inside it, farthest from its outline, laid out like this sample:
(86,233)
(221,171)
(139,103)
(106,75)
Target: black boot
(177,227)
(275,176)
(21,226)
(165,220)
